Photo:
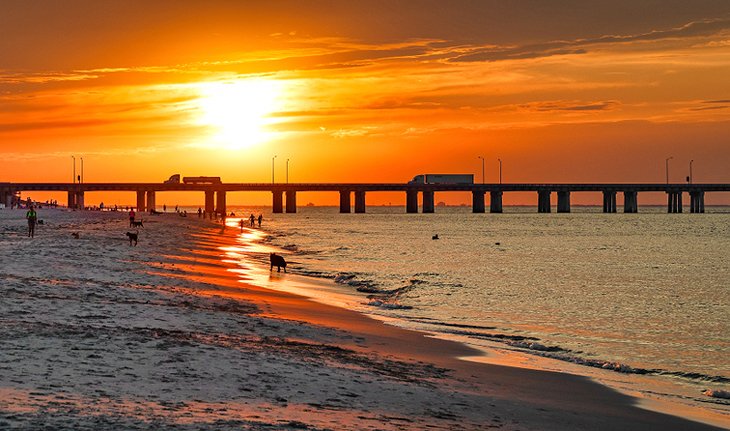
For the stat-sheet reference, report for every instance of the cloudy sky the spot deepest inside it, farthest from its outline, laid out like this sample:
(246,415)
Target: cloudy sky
(561,91)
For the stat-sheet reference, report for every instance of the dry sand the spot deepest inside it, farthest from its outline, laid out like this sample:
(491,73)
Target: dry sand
(96,334)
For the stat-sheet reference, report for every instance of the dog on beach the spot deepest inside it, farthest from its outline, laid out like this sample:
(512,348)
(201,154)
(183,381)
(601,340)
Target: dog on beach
(134,223)
(133,236)
(277,261)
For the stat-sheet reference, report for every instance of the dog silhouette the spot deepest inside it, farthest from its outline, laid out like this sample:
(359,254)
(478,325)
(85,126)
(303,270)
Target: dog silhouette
(277,261)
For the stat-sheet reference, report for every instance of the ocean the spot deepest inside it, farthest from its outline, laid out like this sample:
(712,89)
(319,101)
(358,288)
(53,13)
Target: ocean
(638,301)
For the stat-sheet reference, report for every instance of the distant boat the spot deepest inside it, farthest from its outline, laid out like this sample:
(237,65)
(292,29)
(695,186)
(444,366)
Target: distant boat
(310,204)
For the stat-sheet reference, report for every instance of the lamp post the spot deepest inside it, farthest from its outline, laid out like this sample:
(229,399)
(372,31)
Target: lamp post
(272,170)
(666,167)
(74,177)
(500,170)
(482,158)
(690,171)
(287,171)
(82,170)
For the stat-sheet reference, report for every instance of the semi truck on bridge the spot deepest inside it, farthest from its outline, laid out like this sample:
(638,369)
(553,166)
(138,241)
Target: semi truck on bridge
(175,179)
(443,179)
(202,180)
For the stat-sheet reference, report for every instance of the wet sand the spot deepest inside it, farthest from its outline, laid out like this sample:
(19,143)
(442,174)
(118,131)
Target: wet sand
(170,335)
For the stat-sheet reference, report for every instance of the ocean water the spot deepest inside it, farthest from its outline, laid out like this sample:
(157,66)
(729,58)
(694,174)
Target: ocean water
(641,298)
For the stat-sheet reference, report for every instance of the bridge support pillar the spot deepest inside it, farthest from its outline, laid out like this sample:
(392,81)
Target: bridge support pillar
(291,201)
(678,202)
(697,201)
(631,205)
(477,201)
(670,202)
(543,201)
(428,204)
(220,202)
(80,200)
(71,200)
(495,202)
(564,201)
(609,201)
(209,202)
(151,204)
(277,206)
(701,202)
(360,201)
(412,201)
(140,201)
(345,202)
(674,202)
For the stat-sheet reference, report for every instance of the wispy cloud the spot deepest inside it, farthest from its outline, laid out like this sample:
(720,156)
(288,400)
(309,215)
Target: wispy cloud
(581,46)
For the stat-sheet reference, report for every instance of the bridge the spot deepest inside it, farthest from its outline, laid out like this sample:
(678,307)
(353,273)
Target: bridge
(284,196)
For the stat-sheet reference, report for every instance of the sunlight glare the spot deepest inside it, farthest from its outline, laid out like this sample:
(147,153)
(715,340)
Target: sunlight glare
(239,111)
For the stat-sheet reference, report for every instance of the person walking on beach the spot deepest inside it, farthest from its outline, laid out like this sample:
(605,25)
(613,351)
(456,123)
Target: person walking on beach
(240,223)
(261,217)
(200,212)
(252,218)
(132,215)
(32,217)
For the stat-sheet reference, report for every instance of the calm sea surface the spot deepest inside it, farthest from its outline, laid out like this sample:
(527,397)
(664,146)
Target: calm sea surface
(648,293)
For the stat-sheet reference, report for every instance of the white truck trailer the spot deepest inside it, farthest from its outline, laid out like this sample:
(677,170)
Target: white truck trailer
(443,179)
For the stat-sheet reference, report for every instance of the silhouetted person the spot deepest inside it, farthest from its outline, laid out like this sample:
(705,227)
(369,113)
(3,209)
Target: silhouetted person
(164,208)
(132,215)
(252,219)
(261,217)
(32,217)
(200,212)
(241,223)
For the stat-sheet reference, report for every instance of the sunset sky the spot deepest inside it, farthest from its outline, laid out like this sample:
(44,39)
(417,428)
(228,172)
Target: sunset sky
(371,91)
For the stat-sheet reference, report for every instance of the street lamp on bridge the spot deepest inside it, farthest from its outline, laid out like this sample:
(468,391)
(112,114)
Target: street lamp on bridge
(272,169)
(690,171)
(287,171)
(74,177)
(666,167)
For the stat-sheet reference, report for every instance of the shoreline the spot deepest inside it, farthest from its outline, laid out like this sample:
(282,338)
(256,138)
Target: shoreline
(175,334)
(459,355)
(654,389)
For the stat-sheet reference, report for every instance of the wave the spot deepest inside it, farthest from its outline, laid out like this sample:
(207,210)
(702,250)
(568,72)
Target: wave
(716,393)
(388,305)
(532,346)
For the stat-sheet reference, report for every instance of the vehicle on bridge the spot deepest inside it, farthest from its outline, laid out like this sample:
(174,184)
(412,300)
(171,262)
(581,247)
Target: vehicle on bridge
(202,180)
(443,179)
(174,179)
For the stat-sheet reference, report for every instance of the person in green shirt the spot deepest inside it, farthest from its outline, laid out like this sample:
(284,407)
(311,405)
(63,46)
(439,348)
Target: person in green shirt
(32,217)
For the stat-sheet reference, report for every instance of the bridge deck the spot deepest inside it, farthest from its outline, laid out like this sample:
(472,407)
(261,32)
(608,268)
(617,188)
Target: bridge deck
(369,187)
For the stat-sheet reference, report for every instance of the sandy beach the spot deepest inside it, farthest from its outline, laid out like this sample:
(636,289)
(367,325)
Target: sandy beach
(173,334)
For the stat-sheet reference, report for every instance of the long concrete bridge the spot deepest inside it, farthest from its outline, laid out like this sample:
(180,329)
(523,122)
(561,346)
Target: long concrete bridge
(284,196)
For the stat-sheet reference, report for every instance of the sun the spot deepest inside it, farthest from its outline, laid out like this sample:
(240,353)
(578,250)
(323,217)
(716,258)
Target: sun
(239,111)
